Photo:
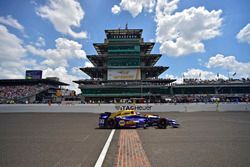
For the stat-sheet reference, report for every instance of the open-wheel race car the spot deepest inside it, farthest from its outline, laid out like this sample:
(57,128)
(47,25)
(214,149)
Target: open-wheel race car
(132,119)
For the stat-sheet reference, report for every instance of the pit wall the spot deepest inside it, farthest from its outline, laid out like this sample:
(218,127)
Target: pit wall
(98,108)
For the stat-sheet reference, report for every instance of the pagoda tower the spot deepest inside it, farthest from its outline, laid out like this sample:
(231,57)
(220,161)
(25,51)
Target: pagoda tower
(124,69)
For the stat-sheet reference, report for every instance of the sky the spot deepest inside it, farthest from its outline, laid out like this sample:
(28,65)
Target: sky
(200,39)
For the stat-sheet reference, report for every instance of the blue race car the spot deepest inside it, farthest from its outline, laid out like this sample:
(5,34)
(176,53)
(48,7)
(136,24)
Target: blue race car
(132,119)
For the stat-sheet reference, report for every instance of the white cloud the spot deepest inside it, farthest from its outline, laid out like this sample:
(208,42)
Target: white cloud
(88,64)
(195,73)
(63,75)
(244,34)
(152,40)
(165,7)
(76,70)
(65,50)
(201,74)
(115,9)
(55,63)
(134,7)
(14,61)
(40,42)
(179,79)
(179,33)
(11,46)
(231,64)
(64,14)
(12,54)
(182,33)
(11,22)
(79,73)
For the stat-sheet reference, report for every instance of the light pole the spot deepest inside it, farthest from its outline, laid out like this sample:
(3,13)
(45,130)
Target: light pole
(141,88)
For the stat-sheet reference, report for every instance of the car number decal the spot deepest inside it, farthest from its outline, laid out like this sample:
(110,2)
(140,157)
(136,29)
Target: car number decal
(101,121)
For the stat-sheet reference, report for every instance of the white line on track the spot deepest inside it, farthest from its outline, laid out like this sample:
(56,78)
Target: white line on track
(104,150)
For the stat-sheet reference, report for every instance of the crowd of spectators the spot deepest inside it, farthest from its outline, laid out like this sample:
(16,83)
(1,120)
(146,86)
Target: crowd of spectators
(179,99)
(195,81)
(20,91)
(207,99)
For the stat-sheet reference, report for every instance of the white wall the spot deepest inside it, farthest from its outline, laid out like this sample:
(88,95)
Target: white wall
(95,108)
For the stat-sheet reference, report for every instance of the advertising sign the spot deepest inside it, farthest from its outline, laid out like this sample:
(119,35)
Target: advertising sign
(33,74)
(124,74)
(137,107)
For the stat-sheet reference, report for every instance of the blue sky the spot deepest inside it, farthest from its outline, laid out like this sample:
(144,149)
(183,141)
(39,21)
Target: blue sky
(197,38)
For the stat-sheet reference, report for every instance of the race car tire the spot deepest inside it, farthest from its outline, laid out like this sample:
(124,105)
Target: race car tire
(111,123)
(162,123)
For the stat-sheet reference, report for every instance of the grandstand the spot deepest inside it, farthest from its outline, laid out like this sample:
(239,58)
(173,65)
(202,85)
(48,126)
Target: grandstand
(195,90)
(29,90)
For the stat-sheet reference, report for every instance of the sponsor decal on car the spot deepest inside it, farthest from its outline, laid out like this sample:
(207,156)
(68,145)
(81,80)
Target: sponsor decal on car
(130,123)
(122,123)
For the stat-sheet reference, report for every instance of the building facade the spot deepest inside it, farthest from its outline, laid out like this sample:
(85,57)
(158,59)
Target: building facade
(124,69)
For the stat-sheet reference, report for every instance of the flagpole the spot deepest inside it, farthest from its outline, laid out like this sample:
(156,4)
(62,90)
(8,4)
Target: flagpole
(234,74)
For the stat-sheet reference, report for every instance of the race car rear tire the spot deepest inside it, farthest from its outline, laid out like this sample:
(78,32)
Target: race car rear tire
(111,123)
(162,123)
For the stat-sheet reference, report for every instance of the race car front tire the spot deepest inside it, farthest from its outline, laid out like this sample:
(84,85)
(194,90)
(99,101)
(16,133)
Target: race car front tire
(162,123)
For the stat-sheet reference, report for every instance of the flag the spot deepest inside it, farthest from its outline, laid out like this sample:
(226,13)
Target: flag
(234,74)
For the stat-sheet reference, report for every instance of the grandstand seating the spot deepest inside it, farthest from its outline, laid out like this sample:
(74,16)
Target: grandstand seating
(8,93)
(208,98)
(195,81)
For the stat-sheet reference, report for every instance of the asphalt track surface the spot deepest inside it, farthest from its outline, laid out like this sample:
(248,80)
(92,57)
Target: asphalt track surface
(71,139)
(49,139)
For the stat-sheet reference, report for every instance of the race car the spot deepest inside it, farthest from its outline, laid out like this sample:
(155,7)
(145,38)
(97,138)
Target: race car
(132,119)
